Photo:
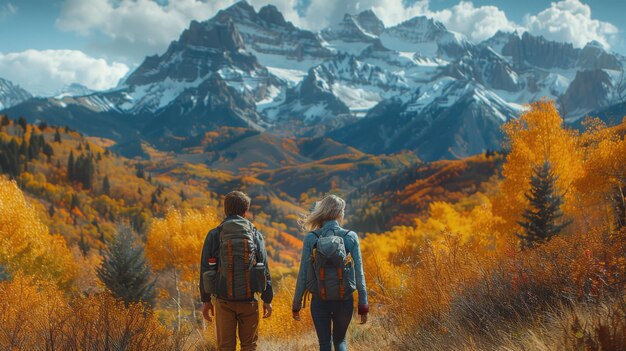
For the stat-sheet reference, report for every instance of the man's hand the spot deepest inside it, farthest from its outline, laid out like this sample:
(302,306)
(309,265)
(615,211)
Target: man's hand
(364,318)
(207,311)
(267,310)
(296,316)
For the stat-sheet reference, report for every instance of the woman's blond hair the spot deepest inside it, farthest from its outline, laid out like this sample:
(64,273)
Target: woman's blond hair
(330,208)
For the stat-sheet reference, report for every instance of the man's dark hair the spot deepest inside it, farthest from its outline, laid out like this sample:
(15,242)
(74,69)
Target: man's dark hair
(236,203)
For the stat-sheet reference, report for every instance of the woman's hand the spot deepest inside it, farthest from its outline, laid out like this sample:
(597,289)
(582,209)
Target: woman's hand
(296,315)
(363,311)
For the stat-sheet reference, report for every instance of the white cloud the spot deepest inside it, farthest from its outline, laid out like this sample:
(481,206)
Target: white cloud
(133,27)
(570,21)
(129,30)
(477,23)
(136,28)
(322,13)
(7,10)
(46,72)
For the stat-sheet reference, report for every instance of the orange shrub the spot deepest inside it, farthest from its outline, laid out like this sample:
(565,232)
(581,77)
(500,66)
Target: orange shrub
(35,315)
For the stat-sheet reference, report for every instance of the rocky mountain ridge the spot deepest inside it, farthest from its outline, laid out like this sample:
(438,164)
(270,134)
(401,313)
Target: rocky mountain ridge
(415,85)
(11,94)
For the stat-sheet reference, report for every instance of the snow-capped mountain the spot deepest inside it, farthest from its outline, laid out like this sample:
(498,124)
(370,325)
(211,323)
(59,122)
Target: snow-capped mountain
(74,89)
(354,33)
(205,79)
(447,118)
(337,91)
(416,85)
(11,94)
(287,51)
(581,80)
(425,37)
(206,72)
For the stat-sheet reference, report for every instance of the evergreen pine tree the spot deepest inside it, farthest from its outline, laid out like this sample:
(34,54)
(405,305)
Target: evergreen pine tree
(70,166)
(48,151)
(106,187)
(75,203)
(541,219)
(140,173)
(57,136)
(124,269)
(33,146)
(24,149)
(619,208)
(5,121)
(22,123)
(4,274)
(85,170)
(10,160)
(82,245)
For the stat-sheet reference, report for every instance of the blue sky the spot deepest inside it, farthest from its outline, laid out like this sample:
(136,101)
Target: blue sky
(50,43)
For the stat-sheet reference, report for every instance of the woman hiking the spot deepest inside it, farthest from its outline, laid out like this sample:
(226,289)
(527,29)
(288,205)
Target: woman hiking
(331,269)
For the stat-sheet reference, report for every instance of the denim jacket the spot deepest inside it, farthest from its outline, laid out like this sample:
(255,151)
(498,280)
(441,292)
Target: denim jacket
(352,247)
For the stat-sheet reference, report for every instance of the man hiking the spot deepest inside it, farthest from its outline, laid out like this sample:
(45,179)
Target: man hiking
(234,268)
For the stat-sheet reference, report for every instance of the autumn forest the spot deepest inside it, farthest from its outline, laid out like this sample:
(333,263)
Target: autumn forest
(454,255)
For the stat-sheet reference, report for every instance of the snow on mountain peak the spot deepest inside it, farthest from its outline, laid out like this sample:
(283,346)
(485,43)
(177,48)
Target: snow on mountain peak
(426,37)
(74,89)
(11,94)
(363,27)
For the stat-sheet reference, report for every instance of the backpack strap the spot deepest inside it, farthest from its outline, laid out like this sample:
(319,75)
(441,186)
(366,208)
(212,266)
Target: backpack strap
(315,233)
(342,288)
(247,261)
(323,269)
(230,277)
(257,244)
(307,295)
(317,236)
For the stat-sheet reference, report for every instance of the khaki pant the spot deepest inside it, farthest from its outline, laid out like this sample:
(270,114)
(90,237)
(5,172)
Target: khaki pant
(232,317)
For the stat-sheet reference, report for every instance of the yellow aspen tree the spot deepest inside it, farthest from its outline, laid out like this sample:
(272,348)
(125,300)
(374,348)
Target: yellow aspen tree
(174,245)
(604,182)
(25,244)
(537,136)
(477,225)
